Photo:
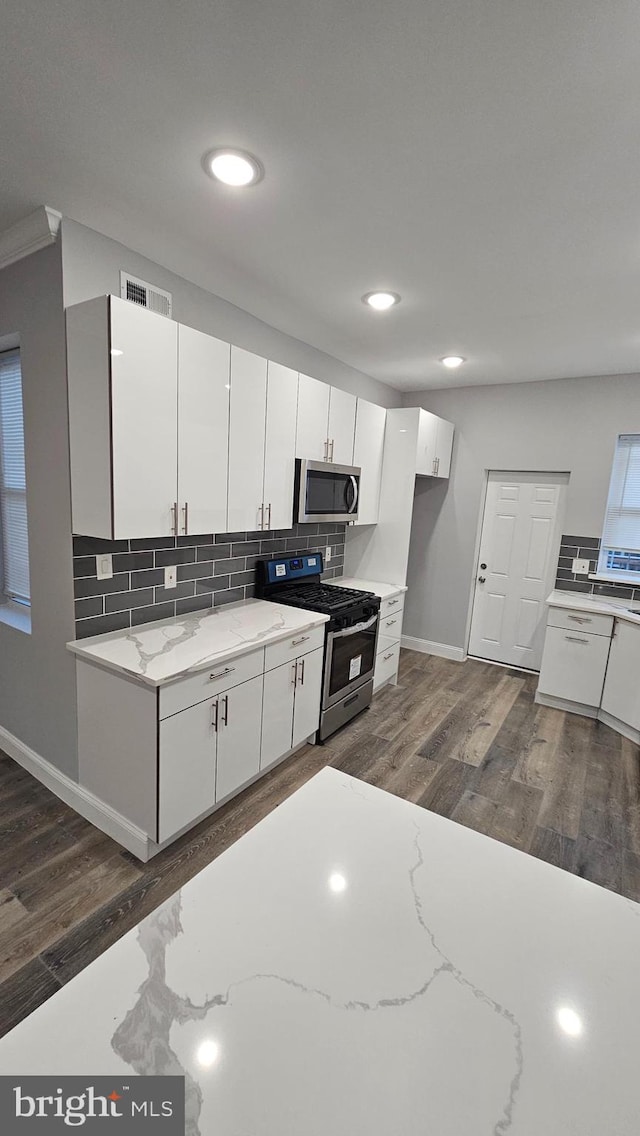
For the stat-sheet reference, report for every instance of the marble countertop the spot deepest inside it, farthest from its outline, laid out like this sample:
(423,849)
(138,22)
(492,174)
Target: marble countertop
(160,652)
(385,591)
(597,604)
(316,979)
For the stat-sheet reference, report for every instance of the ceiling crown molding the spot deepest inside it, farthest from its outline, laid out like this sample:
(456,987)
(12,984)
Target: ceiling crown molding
(34,232)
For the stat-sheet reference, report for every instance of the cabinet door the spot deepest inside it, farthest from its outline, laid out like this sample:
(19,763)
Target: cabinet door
(312,430)
(306,707)
(573,665)
(280,446)
(444,447)
(367,453)
(187,767)
(427,444)
(239,727)
(246,440)
(144,420)
(203,432)
(342,426)
(621,696)
(277,712)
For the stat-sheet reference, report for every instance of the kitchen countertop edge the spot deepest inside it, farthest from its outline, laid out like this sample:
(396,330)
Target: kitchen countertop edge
(598,605)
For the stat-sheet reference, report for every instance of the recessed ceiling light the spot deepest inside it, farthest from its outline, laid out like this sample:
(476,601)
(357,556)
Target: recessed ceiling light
(381,301)
(452,361)
(233,167)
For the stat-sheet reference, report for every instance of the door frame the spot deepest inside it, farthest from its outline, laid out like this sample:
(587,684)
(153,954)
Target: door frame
(476,552)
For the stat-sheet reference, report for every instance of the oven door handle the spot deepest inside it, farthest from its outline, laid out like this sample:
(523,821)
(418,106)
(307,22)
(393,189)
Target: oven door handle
(352,483)
(356,627)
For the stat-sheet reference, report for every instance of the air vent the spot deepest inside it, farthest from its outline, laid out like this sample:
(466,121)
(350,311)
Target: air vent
(145,294)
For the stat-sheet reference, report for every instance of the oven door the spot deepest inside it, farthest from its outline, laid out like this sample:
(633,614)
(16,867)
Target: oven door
(350,660)
(327,492)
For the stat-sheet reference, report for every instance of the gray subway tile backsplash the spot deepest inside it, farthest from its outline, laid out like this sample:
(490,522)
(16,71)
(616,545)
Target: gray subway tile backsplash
(587,548)
(211,570)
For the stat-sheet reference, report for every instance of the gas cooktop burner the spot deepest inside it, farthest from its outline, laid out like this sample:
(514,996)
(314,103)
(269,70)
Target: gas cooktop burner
(320,597)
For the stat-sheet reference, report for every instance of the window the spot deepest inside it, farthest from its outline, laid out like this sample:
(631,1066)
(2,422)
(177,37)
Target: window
(14,542)
(620,549)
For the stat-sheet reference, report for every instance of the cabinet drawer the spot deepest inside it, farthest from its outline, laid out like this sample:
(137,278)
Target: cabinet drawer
(387,607)
(593,622)
(187,692)
(293,648)
(390,631)
(573,665)
(386,665)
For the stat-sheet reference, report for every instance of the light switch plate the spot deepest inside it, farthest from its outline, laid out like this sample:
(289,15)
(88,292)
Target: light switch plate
(170,576)
(327,554)
(580,567)
(104,566)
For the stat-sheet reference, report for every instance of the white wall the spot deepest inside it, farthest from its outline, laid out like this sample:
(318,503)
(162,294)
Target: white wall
(37,674)
(92,266)
(570,424)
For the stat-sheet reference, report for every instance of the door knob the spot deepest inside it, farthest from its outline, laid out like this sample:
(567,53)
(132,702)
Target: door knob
(482,579)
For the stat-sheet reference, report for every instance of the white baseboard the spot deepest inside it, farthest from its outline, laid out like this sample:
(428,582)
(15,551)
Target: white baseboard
(94,810)
(620,727)
(428,647)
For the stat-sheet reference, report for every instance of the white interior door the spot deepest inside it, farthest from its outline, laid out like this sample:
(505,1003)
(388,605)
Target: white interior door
(203,432)
(280,446)
(516,567)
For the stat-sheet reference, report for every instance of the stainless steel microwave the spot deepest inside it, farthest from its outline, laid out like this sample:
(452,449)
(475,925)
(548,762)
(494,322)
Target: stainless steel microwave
(326,492)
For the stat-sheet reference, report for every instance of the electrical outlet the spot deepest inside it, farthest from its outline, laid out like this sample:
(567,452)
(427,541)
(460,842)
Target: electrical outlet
(171,576)
(580,567)
(104,566)
(327,554)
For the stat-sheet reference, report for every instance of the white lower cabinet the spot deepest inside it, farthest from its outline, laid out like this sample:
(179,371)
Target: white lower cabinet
(574,663)
(388,647)
(291,705)
(621,695)
(386,668)
(187,767)
(239,724)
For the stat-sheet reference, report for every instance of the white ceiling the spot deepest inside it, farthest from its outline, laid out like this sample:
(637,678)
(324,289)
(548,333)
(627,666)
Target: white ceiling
(481,157)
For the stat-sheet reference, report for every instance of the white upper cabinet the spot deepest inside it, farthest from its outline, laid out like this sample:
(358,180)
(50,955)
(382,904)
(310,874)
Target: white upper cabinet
(435,444)
(342,425)
(123,380)
(312,433)
(203,432)
(280,446)
(367,453)
(247,441)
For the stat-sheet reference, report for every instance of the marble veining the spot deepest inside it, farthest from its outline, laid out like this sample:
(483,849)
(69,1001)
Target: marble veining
(385,591)
(578,601)
(358,964)
(167,649)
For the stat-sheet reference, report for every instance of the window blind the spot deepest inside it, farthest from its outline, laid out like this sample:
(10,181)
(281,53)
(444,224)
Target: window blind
(622,519)
(14,534)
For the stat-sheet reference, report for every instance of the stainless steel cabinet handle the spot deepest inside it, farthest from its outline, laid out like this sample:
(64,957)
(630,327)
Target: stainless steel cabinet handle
(225,720)
(174,519)
(433,468)
(390,622)
(389,656)
(390,603)
(221,674)
(294,674)
(326,449)
(214,715)
(437,466)
(185,514)
(332,445)
(580,618)
(574,639)
(261,521)
(300,663)
(269,517)
(297,642)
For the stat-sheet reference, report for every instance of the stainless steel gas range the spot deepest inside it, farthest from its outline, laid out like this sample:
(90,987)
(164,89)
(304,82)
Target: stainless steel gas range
(351,635)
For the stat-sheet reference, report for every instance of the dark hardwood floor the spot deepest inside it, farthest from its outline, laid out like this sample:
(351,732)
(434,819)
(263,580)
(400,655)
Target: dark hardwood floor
(465,740)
